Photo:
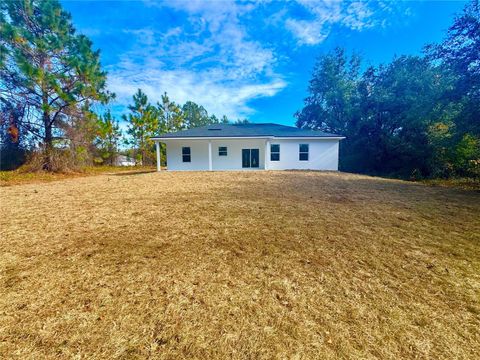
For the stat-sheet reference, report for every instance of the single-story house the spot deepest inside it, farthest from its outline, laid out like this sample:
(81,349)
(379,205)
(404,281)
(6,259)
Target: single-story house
(249,146)
(123,160)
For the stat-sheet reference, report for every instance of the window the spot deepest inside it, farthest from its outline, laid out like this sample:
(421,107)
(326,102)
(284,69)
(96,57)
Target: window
(303,152)
(222,151)
(275,152)
(186,155)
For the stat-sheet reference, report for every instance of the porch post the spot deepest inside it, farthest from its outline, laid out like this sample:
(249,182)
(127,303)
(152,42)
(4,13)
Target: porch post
(210,155)
(267,154)
(157,146)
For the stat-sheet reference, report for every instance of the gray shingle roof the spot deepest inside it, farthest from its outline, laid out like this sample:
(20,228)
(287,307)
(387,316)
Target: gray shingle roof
(245,130)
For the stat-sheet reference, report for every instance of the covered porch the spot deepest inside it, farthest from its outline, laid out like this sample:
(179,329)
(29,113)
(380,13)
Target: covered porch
(215,154)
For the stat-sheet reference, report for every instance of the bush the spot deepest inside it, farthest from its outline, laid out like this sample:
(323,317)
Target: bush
(12,158)
(61,161)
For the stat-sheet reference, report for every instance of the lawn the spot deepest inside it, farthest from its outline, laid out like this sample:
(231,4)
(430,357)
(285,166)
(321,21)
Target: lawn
(20,176)
(244,265)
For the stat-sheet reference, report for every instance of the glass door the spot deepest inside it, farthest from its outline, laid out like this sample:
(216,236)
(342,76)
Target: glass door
(254,158)
(250,158)
(245,158)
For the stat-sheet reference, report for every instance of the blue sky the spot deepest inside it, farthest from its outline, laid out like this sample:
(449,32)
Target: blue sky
(246,59)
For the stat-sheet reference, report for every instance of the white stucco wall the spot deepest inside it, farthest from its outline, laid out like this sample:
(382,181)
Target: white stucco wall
(323,154)
(199,154)
(233,161)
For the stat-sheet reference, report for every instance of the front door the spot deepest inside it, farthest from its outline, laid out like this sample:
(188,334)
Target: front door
(250,158)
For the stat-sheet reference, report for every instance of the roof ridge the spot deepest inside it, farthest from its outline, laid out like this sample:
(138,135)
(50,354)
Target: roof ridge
(248,130)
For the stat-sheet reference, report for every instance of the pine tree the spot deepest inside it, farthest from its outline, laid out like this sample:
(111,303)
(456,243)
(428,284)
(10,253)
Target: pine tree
(143,121)
(47,67)
(195,115)
(171,115)
(108,138)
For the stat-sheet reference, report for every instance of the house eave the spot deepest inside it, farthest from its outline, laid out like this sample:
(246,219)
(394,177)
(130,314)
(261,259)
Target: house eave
(166,138)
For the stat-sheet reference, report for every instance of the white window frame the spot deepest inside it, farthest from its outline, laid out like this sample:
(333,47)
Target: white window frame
(274,152)
(220,152)
(189,154)
(300,153)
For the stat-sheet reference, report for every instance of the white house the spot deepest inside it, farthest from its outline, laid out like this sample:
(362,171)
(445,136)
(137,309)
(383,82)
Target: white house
(249,146)
(123,160)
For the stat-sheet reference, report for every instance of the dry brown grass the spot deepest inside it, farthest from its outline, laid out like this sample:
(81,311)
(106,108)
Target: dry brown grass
(23,176)
(459,183)
(246,265)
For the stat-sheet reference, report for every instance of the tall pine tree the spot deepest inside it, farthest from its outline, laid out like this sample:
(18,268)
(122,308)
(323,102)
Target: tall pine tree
(143,123)
(108,137)
(47,67)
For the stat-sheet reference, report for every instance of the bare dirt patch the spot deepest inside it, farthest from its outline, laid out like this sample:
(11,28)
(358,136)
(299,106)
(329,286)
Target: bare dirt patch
(239,265)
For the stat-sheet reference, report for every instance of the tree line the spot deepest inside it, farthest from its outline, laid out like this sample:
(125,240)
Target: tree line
(53,90)
(415,117)
(146,120)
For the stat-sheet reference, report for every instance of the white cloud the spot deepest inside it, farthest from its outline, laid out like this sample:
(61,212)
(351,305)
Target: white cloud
(212,57)
(307,32)
(359,16)
(211,60)
(325,14)
(208,89)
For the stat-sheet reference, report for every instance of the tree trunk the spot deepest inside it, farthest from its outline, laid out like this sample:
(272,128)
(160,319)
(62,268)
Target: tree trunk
(143,151)
(48,142)
(48,137)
